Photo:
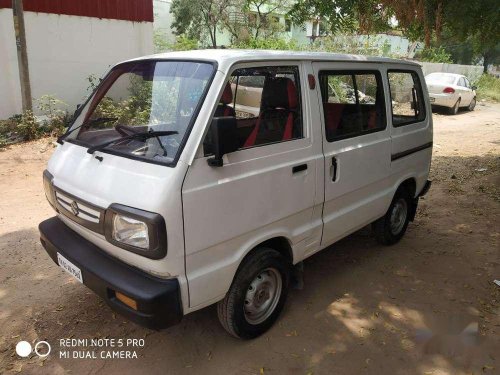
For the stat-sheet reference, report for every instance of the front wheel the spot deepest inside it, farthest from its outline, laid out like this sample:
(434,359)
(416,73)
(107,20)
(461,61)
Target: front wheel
(472,105)
(390,228)
(257,294)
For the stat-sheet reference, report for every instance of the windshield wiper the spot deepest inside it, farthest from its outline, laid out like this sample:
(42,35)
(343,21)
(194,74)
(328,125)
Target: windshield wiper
(139,136)
(100,120)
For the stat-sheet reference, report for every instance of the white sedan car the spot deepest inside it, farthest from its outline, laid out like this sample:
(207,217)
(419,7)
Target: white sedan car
(451,90)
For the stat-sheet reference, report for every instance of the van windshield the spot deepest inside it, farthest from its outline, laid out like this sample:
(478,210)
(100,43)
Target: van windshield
(144,97)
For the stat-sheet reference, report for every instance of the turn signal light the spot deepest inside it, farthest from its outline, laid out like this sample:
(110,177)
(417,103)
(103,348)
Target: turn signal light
(126,300)
(449,90)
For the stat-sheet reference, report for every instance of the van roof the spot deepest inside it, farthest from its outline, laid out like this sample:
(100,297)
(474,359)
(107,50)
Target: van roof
(227,57)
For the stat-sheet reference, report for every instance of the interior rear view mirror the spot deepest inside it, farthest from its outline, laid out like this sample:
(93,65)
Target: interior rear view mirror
(224,139)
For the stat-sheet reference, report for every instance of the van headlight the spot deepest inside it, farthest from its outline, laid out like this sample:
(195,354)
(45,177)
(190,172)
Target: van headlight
(130,231)
(141,232)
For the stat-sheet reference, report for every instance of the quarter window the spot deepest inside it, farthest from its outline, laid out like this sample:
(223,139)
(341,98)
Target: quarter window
(266,104)
(353,103)
(406,98)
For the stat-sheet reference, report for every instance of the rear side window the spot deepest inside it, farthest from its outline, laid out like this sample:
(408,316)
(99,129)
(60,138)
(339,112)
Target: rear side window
(353,103)
(406,98)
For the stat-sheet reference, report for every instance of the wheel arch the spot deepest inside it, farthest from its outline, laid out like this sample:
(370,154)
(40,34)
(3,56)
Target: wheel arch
(279,243)
(410,184)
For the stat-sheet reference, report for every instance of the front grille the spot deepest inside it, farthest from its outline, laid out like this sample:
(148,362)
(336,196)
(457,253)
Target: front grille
(81,212)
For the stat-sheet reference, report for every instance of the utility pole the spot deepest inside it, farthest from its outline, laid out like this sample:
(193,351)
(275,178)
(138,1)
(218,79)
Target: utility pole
(22,54)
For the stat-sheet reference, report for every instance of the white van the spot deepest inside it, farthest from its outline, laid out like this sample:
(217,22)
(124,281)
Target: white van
(174,190)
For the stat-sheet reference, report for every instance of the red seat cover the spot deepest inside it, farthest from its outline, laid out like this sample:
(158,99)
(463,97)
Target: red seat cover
(223,109)
(333,115)
(279,94)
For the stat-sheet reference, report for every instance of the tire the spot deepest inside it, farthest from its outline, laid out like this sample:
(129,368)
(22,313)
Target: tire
(390,228)
(472,105)
(247,317)
(454,110)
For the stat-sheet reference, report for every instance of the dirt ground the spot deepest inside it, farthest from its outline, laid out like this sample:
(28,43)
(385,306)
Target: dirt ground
(427,305)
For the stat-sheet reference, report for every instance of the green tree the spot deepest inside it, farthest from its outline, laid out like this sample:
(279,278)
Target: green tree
(476,23)
(252,19)
(263,11)
(346,16)
(198,18)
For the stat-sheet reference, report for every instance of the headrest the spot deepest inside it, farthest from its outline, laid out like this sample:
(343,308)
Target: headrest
(227,95)
(279,92)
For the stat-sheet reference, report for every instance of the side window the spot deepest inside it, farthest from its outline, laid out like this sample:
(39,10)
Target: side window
(406,98)
(461,82)
(467,83)
(266,104)
(353,103)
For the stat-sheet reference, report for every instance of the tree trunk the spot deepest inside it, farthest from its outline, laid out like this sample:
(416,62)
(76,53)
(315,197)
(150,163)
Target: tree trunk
(257,23)
(439,22)
(486,62)
(215,37)
(427,38)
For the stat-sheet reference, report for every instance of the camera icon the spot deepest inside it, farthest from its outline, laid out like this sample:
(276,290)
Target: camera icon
(24,349)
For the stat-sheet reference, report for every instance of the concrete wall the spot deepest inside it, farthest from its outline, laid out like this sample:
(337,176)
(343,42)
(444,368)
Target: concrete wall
(473,72)
(163,19)
(63,51)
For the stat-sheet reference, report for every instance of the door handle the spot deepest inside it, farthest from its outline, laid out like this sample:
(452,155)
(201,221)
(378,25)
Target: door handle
(334,169)
(299,168)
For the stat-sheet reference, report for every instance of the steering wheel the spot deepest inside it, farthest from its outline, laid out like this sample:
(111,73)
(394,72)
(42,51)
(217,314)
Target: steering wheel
(126,130)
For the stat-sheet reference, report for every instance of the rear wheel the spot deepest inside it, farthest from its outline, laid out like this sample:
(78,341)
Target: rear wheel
(472,104)
(454,110)
(257,294)
(390,228)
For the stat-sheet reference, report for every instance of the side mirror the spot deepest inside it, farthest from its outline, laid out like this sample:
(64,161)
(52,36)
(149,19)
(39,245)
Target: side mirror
(474,88)
(224,139)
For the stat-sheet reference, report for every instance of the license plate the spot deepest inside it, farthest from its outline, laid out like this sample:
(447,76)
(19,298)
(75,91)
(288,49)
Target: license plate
(432,100)
(69,267)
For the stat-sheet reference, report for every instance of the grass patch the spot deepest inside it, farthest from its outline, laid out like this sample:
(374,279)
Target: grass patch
(488,87)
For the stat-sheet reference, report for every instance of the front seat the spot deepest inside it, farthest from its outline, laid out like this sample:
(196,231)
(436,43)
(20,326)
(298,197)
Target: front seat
(223,109)
(278,113)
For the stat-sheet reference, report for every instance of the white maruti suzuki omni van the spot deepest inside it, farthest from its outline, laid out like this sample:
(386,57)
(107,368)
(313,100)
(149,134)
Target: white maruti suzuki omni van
(193,178)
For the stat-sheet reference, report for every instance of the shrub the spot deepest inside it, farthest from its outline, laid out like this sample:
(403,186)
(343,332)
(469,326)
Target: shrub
(268,43)
(27,127)
(8,130)
(183,43)
(57,119)
(488,87)
(160,43)
(434,54)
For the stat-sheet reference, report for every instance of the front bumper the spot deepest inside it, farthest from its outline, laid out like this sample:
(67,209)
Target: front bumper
(158,300)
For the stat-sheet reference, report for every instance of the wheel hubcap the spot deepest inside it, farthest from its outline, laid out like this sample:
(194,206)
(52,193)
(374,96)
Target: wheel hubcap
(262,296)
(398,216)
